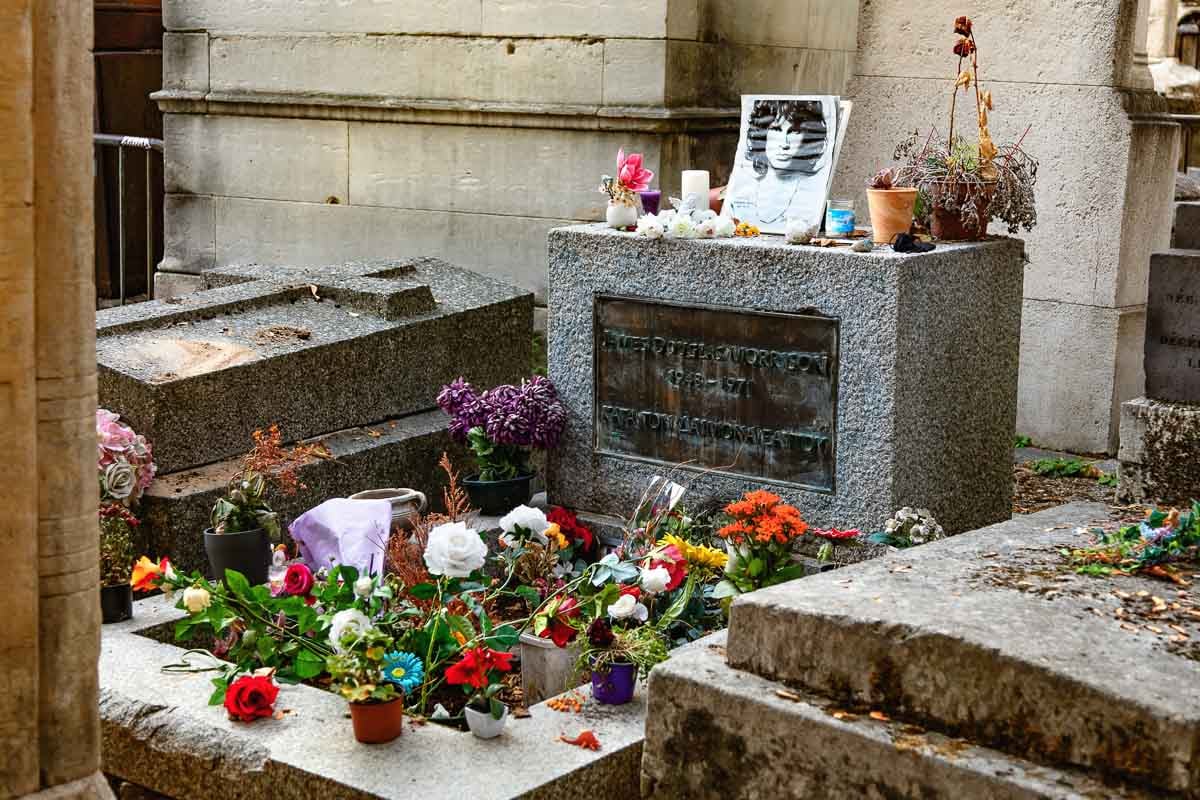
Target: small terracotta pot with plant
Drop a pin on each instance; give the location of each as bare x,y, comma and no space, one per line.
891,206
964,185
371,675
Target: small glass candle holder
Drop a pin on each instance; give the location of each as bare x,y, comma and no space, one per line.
839,218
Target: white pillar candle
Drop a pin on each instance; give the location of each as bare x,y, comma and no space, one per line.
695,182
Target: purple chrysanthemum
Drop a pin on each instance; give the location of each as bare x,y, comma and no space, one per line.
529,415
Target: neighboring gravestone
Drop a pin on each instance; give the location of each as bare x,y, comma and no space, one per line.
1160,433
353,353
1186,233
852,384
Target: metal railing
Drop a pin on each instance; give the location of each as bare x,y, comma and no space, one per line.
123,143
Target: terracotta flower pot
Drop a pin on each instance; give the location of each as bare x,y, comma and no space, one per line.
959,225
378,723
891,212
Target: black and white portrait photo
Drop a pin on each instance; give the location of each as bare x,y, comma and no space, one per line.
785,160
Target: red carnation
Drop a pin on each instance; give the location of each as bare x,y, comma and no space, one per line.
251,697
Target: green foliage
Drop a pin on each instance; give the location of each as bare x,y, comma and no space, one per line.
244,507
1072,468
496,462
1108,479
539,366
357,670
1022,441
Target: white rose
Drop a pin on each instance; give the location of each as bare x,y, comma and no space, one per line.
526,518
891,525
707,229
703,215
627,607
119,480
343,623
454,550
196,599
363,586
654,581
651,227
725,227
681,227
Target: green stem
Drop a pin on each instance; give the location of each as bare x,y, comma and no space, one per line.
432,639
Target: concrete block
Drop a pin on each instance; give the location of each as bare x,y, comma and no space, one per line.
990,636
322,16
575,18
542,71
906,341
169,285
1146,222
742,726
279,159
1017,44
185,62
189,223
635,72
710,74
1063,347
815,24
511,248
1185,234
172,369
683,19
510,171
1159,441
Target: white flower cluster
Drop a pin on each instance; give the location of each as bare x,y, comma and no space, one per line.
705,224
917,526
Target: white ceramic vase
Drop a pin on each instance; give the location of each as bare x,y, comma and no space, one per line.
483,724
620,215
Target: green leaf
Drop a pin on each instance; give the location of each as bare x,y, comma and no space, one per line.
787,574
529,595
423,591
309,665
497,708
678,604
265,646
756,567
725,589
238,584
504,637
218,696
461,626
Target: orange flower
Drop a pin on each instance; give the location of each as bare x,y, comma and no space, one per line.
146,574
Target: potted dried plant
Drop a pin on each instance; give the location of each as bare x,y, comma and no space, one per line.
116,563
243,528
891,206
964,185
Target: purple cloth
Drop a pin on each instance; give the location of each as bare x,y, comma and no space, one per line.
350,532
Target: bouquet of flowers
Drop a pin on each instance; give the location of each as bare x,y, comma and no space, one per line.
759,537
365,666
909,527
502,424
631,178
1147,547
124,460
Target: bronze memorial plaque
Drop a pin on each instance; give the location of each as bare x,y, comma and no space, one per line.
748,393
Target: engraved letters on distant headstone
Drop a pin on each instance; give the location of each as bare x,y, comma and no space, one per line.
1173,328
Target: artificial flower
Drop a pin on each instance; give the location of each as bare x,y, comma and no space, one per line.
558,628
655,580
454,550
251,697
835,533
525,519
196,599
119,480
681,227
298,580
627,607
630,172
674,563
962,26
344,623
363,586
404,670
472,669
146,574
651,226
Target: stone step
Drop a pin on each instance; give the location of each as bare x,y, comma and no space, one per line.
395,453
992,636
716,732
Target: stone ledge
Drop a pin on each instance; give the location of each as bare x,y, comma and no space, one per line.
991,636
757,743
159,732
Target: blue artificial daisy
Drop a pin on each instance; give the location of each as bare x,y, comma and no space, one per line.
404,670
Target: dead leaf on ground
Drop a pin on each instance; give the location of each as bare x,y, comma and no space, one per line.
880,716
521,712
786,695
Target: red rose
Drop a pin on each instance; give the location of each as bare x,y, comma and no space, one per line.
251,697
298,580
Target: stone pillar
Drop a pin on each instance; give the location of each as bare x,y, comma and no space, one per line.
311,132
1162,21
1104,188
49,723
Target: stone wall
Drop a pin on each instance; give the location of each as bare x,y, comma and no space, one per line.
304,131
1104,187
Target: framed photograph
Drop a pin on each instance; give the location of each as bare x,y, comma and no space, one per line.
785,160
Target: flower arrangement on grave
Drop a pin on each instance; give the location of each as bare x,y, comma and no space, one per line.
632,177
542,554
759,535
371,674
909,527
125,469
501,426
1148,548
962,185
478,672
832,537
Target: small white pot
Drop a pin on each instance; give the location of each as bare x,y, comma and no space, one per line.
620,215
483,724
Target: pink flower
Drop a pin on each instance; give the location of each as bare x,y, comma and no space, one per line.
630,172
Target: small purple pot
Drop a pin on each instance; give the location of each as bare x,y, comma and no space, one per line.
650,201
615,687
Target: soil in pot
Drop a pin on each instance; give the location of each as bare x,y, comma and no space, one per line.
614,687
959,225
116,603
378,723
891,212
248,552
496,498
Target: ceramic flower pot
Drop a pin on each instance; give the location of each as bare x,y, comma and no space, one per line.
116,603
954,225
891,212
248,552
620,215
377,723
496,498
615,686
407,504
546,669
483,724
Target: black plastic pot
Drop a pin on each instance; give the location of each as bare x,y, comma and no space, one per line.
495,498
249,552
116,603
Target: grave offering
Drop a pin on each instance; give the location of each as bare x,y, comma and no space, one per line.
1160,432
354,354
850,384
